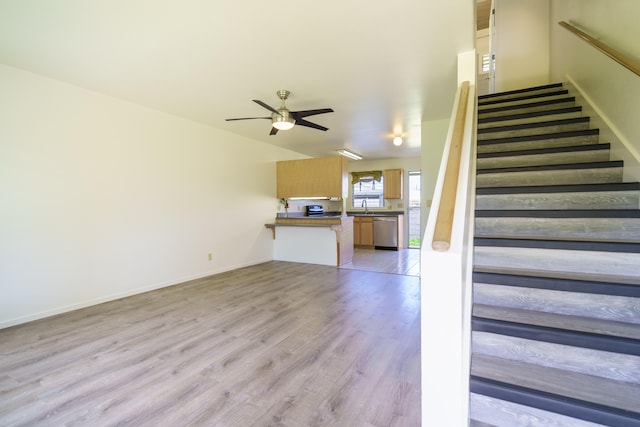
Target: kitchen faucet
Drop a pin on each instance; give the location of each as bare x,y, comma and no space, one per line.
364,205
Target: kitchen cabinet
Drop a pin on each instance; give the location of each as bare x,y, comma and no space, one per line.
363,231
392,183
319,177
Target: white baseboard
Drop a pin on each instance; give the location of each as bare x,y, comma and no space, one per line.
95,301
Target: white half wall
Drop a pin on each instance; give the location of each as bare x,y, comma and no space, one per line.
101,198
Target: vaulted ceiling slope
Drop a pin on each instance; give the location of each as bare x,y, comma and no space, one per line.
384,67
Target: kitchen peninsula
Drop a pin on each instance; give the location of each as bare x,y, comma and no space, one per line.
326,240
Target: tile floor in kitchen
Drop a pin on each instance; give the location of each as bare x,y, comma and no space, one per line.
404,261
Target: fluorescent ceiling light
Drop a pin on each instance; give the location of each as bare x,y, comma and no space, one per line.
349,154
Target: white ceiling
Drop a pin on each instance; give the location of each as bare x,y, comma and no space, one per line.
384,67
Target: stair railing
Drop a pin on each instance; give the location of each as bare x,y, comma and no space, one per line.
622,59
446,267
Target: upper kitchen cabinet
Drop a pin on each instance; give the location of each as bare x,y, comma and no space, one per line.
320,177
392,183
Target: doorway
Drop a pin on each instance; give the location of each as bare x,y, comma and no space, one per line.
413,210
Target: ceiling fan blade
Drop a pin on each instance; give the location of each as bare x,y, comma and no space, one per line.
307,113
273,131
247,118
303,122
268,107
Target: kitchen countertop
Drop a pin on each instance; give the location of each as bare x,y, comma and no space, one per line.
375,213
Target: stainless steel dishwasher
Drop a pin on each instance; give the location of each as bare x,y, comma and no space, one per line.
385,232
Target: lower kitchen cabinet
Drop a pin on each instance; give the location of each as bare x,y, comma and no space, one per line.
363,231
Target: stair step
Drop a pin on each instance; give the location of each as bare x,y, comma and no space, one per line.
600,266
534,117
578,386
508,405
544,156
531,107
559,284
575,245
531,142
516,101
598,363
535,128
578,173
602,225
520,92
624,311
582,196
548,319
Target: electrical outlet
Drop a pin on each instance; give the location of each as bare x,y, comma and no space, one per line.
210,256
429,203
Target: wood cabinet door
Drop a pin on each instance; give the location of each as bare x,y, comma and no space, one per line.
392,183
356,231
366,232
319,177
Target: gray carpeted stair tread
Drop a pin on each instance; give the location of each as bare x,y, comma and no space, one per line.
532,117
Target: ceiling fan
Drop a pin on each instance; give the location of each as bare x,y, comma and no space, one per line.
283,119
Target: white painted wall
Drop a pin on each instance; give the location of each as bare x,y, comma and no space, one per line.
612,90
521,43
434,137
101,198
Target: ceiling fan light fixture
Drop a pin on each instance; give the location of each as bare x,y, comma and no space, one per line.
282,120
349,154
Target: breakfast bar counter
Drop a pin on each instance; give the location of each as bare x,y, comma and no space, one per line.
326,240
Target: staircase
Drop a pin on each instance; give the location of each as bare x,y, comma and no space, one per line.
556,293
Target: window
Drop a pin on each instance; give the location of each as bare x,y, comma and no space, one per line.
367,186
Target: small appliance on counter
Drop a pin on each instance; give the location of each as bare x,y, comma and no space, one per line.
315,210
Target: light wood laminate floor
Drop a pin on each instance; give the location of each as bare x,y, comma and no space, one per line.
403,261
277,344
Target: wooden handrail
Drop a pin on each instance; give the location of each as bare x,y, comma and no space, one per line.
444,220
622,59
